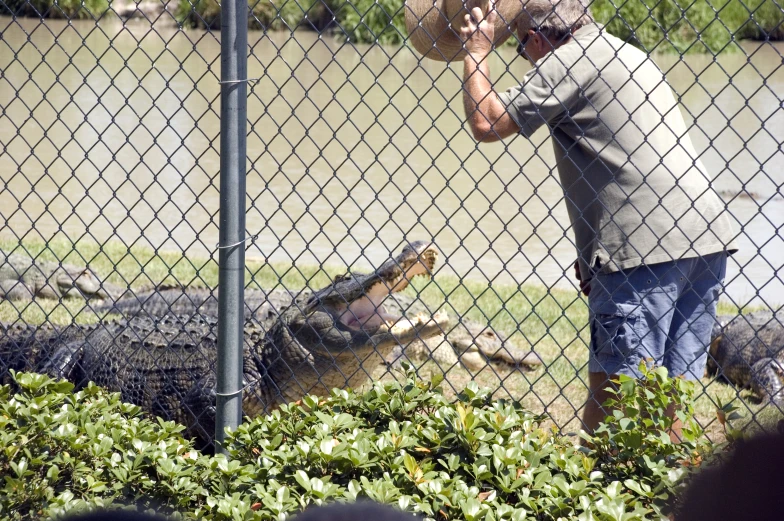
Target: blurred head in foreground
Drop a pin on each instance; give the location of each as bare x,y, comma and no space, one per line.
359,511
748,485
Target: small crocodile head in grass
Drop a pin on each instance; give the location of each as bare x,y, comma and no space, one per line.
23,277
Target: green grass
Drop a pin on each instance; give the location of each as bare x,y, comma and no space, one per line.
552,322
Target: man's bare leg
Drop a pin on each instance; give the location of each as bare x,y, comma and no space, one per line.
676,433
593,412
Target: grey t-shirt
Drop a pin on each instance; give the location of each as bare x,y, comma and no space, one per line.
635,190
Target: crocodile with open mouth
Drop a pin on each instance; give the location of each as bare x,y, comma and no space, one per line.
465,341
166,364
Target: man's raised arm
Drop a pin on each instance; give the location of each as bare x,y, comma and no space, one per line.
486,114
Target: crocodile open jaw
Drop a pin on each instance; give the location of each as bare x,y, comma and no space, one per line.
368,312
357,300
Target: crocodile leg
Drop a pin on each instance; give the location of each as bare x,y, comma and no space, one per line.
15,289
200,405
64,362
83,284
767,379
48,287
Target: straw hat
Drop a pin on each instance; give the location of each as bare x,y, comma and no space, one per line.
434,25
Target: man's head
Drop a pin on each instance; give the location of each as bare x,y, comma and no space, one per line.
543,25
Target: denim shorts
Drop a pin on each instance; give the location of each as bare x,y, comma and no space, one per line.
664,312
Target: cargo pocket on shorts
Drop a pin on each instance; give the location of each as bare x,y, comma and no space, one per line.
615,331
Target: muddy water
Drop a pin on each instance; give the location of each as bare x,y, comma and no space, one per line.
112,131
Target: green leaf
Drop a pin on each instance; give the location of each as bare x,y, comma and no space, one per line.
470,509
410,463
303,479
640,488
326,446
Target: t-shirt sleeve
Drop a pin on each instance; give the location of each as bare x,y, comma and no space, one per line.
546,92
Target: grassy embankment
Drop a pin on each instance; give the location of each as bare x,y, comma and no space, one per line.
655,25
552,322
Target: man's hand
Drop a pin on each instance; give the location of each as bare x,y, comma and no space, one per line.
478,31
585,287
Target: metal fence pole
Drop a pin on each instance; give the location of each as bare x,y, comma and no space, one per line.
234,74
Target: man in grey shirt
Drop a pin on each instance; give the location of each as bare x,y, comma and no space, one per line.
652,237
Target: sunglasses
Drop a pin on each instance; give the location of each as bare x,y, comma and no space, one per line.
521,45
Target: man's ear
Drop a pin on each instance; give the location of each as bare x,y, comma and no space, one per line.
538,40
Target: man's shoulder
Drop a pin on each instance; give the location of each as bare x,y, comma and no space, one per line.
585,45
594,40
594,49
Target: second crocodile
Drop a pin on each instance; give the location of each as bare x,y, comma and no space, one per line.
748,351
23,277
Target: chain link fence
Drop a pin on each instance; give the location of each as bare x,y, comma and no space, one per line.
109,125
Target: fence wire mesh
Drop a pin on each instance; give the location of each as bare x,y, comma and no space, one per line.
110,168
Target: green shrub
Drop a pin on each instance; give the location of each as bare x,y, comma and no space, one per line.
633,445
363,21
400,444
654,25
762,19
57,8
268,15
688,25
369,21
63,451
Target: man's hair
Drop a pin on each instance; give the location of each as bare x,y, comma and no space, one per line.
555,19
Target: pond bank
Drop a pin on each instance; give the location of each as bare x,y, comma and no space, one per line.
663,26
